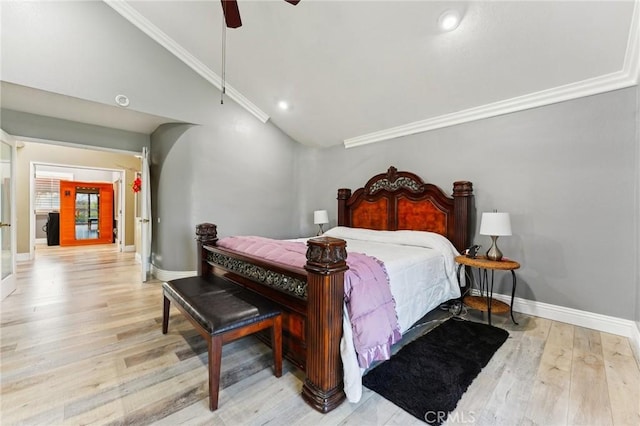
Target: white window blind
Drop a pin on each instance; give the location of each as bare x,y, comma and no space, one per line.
47,190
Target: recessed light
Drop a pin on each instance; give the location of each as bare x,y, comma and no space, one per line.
122,100
449,20
283,105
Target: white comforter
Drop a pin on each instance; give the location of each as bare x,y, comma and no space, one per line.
422,275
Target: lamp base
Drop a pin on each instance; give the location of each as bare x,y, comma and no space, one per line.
494,252
320,230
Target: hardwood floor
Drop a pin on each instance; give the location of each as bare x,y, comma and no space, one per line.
81,343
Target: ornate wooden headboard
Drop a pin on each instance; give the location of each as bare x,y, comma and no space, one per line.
396,200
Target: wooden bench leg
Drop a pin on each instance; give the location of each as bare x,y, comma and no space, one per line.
276,342
214,344
165,315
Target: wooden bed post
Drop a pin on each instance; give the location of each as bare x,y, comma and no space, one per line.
343,195
323,387
206,234
463,205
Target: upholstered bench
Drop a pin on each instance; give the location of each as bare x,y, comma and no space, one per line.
222,311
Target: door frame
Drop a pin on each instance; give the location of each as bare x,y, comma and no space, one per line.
121,194
9,285
145,218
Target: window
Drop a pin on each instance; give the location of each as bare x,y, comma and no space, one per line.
47,190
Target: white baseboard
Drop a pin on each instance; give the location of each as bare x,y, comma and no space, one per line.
129,249
635,341
23,257
41,241
608,324
605,323
163,275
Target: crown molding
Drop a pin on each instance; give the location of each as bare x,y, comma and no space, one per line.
160,37
632,55
626,77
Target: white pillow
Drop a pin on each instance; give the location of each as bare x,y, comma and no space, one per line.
403,237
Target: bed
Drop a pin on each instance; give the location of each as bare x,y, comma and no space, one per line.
311,295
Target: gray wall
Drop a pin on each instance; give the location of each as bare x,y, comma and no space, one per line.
243,181
196,174
54,129
86,50
567,173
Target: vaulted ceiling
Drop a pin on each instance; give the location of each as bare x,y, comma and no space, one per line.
356,72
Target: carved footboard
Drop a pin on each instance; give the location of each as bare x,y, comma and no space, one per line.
311,300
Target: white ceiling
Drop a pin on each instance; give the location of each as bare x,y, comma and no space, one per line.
357,72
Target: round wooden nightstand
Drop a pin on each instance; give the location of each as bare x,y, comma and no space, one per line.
485,301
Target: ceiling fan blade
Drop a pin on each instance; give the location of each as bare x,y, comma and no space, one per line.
231,13
293,2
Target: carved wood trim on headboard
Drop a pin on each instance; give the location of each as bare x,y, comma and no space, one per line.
402,200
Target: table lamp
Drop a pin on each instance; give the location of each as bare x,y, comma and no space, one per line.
320,217
495,224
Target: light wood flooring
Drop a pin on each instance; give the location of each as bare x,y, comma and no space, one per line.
81,343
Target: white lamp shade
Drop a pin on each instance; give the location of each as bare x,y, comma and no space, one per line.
320,217
495,224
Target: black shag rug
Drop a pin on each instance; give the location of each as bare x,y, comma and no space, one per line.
428,376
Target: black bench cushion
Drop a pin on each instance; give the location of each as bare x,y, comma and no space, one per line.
217,304
193,286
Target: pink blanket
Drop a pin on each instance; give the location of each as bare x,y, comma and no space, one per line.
367,295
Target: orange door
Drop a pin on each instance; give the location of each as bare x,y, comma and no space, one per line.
86,213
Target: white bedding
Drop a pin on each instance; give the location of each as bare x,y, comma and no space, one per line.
422,275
